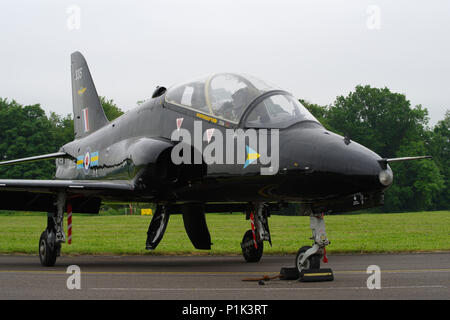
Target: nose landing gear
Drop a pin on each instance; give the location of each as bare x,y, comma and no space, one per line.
308,258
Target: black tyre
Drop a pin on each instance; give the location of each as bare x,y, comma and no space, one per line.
47,252
313,262
250,253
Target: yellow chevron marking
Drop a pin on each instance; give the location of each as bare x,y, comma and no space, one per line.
81,91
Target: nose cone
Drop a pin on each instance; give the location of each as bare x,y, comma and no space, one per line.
386,176
357,165
337,166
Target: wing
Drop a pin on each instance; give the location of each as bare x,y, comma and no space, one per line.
85,196
39,195
36,158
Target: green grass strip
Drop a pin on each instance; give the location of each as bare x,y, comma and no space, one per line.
364,233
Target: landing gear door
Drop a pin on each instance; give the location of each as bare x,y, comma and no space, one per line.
157,227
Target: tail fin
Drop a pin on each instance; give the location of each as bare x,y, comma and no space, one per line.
88,114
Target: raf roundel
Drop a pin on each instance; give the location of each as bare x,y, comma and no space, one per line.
87,161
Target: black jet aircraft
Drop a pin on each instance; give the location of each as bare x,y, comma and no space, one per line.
220,143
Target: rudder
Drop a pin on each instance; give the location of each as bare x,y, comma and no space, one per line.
88,114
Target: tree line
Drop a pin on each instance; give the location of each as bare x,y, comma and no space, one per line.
386,123
27,131
377,118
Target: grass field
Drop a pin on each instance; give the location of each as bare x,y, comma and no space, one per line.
364,233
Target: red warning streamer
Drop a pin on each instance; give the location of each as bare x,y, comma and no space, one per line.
252,220
325,259
69,223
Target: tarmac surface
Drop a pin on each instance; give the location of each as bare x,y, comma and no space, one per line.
403,276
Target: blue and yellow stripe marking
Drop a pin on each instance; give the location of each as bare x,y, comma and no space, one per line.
80,160
94,158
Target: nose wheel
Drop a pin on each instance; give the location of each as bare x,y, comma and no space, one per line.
312,262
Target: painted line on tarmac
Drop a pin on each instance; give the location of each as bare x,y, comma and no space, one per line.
394,271
212,272
265,289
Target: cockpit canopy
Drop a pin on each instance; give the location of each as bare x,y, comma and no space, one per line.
227,95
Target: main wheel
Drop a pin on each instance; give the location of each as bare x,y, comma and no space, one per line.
47,251
313,262
250,253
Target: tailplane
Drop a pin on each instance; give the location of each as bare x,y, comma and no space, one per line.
88,114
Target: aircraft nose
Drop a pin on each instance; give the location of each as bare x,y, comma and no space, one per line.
358,165
333,164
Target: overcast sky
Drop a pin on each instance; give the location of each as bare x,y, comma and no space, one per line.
315,49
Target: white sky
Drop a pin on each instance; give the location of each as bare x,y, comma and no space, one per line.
315,49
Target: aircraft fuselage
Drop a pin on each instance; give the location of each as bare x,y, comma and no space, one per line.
314,164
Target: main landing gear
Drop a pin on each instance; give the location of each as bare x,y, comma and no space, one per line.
252,243
52,237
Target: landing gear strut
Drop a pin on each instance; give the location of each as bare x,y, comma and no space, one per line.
52,237
252,243
309,257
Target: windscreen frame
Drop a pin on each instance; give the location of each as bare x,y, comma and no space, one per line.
253,104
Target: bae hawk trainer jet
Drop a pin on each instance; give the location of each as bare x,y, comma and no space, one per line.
221,143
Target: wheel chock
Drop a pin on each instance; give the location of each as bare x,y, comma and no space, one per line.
289,274
315,275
